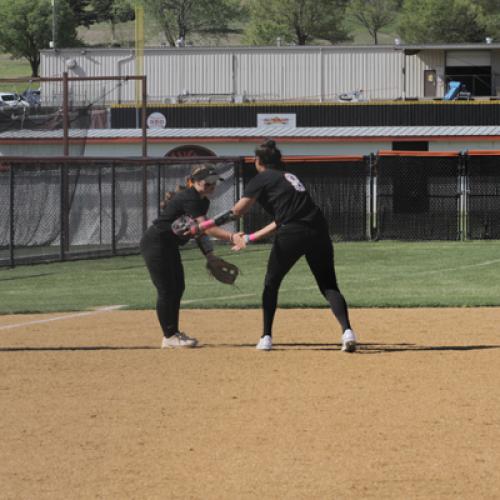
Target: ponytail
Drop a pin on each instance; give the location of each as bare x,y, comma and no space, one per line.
269,155
169,195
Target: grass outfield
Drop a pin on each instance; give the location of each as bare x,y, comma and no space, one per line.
13,68
381,274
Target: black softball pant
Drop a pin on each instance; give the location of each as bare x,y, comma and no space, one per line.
291,242
164,264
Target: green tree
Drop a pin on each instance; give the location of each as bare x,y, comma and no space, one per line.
112,11
442,21
490,6
179,18
296,21
491,9
82,12
26,28
373,15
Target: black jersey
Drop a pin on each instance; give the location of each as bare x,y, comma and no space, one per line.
187,202
283,196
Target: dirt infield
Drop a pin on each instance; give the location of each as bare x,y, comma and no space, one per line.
91,408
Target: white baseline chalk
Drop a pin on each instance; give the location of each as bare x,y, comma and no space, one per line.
59,318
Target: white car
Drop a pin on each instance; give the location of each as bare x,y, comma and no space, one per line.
10,100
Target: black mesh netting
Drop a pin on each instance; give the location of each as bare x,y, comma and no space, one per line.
90,211
98,206
338,188
56,208
417,198
484,197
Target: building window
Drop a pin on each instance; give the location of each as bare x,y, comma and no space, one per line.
410,146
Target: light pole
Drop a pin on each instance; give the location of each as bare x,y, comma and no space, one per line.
52,43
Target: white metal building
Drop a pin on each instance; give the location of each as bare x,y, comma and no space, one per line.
309,73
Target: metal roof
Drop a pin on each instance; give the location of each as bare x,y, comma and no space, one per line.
301,48
259,132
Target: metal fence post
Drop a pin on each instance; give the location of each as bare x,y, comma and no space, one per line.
144,197
11,216
462,197
158,194
113,209
99,186
372,197
62,208
466,192
368,210
65,111
64,172
144,153
238,186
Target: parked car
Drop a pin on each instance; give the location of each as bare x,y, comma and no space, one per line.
32,96
13,101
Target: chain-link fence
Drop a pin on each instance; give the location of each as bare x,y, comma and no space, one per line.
337,185
59,209
66,208
483,189
417,197
65,108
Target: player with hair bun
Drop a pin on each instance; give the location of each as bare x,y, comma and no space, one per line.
301,230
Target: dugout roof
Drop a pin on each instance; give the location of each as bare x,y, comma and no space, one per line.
304,134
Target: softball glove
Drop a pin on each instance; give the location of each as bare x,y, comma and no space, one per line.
221,270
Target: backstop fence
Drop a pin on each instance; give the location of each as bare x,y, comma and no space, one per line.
72,207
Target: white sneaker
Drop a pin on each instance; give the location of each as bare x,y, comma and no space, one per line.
179,339
349,341
265,343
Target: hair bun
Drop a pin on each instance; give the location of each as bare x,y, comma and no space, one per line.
270,144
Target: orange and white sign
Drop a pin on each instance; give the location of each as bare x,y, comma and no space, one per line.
288,120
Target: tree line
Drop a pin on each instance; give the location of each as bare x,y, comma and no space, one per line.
27,26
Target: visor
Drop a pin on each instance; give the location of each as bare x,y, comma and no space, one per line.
208,174
212,179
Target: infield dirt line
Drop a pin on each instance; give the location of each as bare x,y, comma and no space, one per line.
98,310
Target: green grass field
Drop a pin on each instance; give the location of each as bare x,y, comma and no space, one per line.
13,68
381,274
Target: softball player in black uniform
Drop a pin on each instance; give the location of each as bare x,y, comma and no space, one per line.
160,249
301,230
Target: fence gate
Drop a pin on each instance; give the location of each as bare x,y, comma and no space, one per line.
418,196
483,169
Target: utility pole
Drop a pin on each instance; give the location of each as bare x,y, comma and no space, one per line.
53,41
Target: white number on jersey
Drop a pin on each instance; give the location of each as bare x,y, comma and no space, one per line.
294,181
